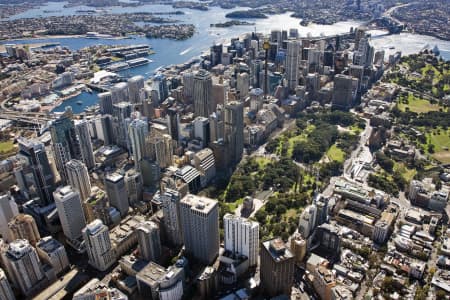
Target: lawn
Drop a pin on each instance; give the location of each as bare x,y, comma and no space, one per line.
262,161
336,153
418,105
407,174
6,146
441,141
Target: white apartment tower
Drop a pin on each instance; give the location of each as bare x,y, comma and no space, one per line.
138,131
23,266
78,178
70,211
8,210
98,245
242,237
292,60
149,241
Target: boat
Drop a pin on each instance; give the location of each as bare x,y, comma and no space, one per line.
392,48
79,102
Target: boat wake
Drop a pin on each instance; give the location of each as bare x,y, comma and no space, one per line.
186,51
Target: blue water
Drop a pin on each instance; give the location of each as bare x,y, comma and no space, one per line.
88,99
170,52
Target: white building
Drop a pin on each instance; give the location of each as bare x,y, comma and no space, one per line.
170,200
138,131
53,253
70,211
149,241
199,218
23,266
292,61
5,288
98,245
242,237
307,221
78,178
205,163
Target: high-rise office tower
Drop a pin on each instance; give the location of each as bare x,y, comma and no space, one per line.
199,218
106,103
121,119
216,54
171,211
53,253
37,164
242,237
5,288
135,85
160,149
119,93
8,210
78,178
117,193
342,92
70,211
292,60
243,85
23,266
66,145
149,241
188,85
104,128
202,94
24,227
216,125
134,185
202,130
173,122
138,131
234,130
277,268
98,245
159,88
256,99
87,152
307,221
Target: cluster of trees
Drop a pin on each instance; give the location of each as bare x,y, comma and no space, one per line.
319,141
384,184
281,175
384,161
271,216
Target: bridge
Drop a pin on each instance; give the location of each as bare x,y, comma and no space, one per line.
40,121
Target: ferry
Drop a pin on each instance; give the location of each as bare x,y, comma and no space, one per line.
96,35
79,102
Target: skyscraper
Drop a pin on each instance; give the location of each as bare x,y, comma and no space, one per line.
78,178
149,241
199,218
241,237
117,193
8,210
243,85
70,211
173,121
98,245
160,149
171,211
342,92
5,288
202,94
38,165
292,60
24,227
135,84
105,102
234,130
53,253
23,266
121,119
159,88
277,268
119,93
65,144
134,185
307,221
138,131
87,152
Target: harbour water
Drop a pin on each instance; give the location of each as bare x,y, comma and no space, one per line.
174,52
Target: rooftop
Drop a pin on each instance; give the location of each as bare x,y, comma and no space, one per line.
277,249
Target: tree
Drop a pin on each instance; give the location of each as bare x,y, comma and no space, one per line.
261,216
